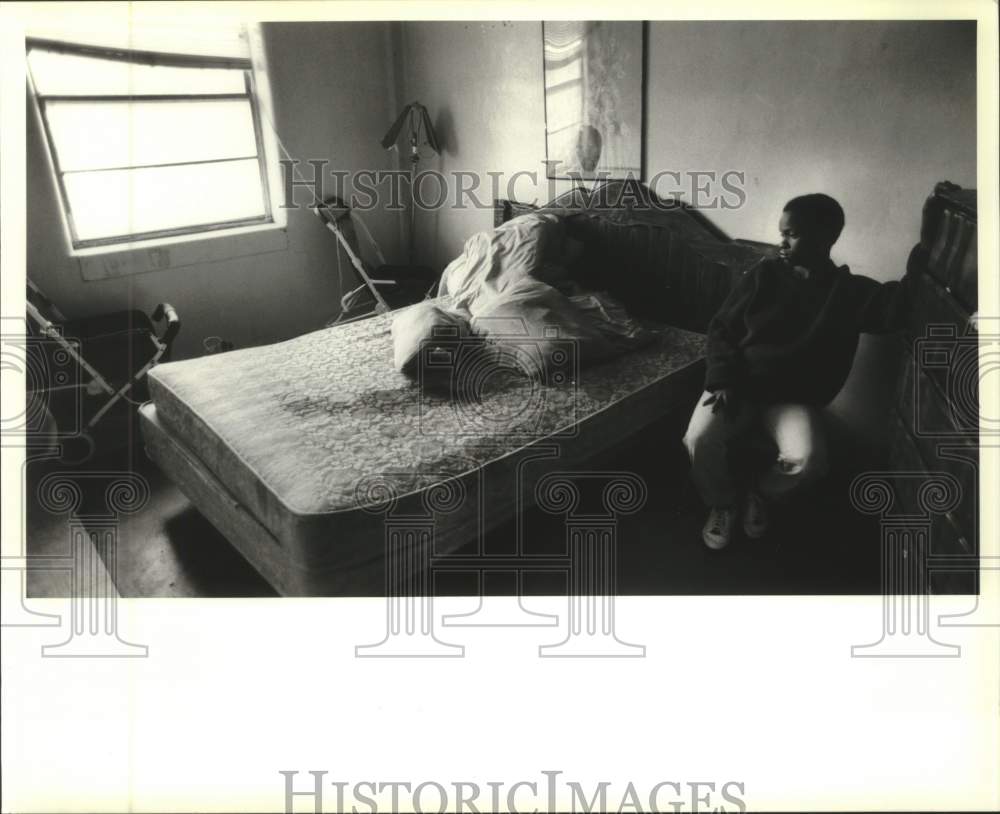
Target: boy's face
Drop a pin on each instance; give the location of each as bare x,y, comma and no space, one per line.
799,245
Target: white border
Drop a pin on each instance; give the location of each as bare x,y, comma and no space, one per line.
760,690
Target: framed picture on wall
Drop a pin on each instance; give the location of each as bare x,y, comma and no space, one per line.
593,98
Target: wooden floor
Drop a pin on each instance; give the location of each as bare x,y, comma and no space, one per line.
819,546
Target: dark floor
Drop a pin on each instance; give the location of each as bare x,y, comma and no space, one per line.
819,546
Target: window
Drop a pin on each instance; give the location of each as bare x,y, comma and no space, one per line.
149,144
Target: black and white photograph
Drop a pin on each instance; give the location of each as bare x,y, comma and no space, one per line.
530,344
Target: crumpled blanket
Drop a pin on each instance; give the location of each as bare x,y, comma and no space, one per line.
528,247
512,287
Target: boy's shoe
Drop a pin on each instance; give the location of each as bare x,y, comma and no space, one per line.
754,516
718,531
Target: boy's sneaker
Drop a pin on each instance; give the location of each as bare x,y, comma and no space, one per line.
718,531
754,516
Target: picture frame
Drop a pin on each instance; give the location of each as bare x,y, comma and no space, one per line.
593,73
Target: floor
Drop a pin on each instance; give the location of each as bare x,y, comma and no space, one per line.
820,546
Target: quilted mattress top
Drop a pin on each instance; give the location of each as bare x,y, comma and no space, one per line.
311,421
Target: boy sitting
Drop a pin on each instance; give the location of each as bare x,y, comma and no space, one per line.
779,349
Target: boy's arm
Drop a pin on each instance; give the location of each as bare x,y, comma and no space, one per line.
884,307
726,330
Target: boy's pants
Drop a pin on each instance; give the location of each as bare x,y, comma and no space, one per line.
721,443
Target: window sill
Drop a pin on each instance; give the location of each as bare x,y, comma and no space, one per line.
107,262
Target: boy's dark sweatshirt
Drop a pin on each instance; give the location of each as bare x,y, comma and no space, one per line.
784,335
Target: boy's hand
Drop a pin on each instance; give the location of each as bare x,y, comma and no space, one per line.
722,399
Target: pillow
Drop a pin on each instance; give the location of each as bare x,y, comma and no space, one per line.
414,326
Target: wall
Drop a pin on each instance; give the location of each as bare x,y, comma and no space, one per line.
332,89
482,83
872,113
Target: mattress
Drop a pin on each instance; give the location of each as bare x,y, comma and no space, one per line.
322,441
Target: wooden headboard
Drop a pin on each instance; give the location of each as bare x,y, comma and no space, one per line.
504,210
663,259
620,199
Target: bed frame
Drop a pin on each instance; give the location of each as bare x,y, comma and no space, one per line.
690,263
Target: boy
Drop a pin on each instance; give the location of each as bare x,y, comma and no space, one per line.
779,349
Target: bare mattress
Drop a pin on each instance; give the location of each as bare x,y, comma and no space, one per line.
319,441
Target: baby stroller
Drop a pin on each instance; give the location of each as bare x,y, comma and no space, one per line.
85,375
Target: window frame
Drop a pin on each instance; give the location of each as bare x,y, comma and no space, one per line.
153,58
